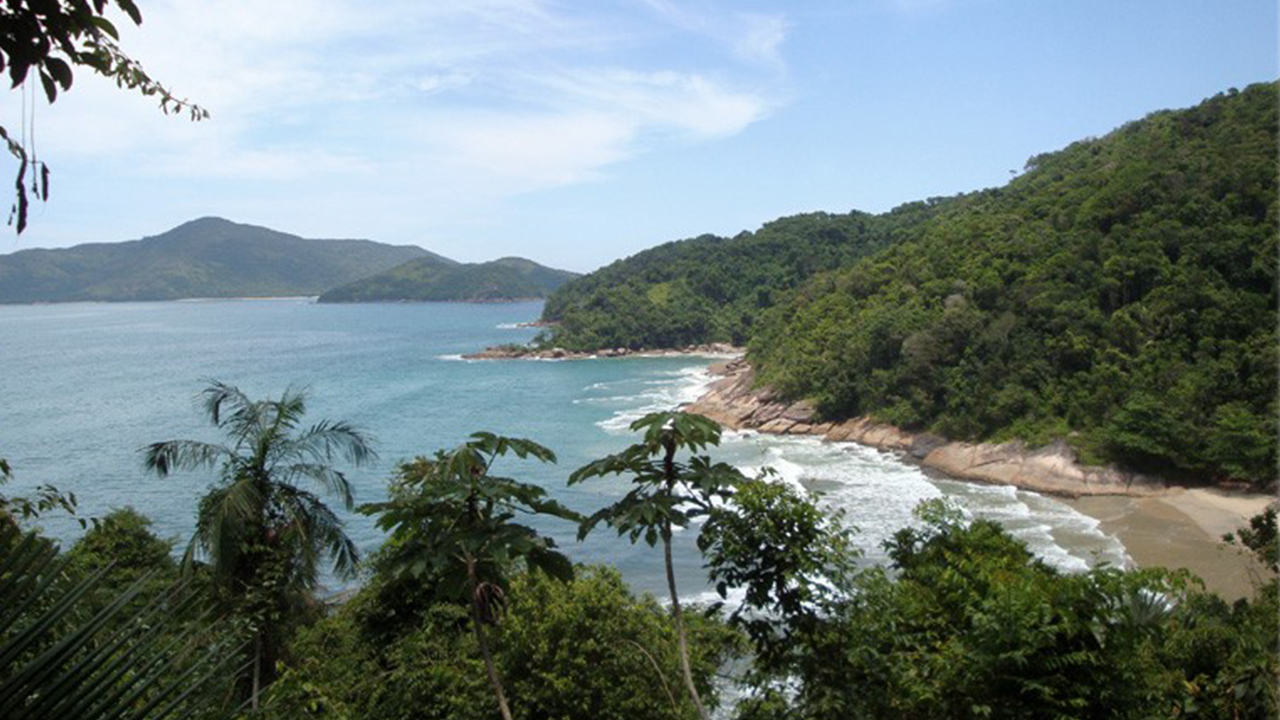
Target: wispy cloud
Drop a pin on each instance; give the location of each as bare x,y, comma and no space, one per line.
514,92
751,36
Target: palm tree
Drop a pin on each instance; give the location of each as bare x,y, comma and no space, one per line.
450,519
262,534
666,494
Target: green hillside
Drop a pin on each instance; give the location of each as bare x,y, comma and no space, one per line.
209,257
1121,293
713,289
435,279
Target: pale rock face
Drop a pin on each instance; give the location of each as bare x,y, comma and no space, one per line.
735,402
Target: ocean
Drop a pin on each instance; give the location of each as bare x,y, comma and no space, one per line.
85,386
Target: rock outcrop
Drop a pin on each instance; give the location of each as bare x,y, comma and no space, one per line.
526,352
735,402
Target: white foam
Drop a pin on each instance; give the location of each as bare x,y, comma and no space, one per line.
877,490
678,387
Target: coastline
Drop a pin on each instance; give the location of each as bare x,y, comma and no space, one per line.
1160,524
524,352
1183,529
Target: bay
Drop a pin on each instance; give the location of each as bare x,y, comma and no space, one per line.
84,387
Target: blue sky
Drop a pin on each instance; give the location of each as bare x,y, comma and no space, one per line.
575,133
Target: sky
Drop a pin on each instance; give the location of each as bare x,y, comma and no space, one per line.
577,133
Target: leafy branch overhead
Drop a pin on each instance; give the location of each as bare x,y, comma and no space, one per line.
51,37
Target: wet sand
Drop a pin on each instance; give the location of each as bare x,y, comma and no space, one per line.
1184,529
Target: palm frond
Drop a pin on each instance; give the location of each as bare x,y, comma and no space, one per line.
226,514
333,482
319,530
165,457
328,439
56,661
220,394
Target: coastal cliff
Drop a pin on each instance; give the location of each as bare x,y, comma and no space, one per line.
735,402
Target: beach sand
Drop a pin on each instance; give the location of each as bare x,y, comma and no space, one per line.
1184,529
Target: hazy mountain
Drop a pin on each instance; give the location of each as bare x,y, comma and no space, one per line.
208,257
437,279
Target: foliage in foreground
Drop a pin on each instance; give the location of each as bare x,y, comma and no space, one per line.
965,623
51,38
452,521
85,637
969,624
263,533
585,648
667,492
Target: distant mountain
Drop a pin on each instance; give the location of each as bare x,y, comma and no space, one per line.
436,279
208,257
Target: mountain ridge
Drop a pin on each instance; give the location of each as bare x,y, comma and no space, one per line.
208,257
425,280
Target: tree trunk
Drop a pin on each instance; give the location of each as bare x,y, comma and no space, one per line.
478,624
669,472
257,671
679,618
494,680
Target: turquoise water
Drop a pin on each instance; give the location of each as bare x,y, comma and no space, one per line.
85,386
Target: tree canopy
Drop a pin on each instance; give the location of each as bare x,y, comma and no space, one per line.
1119,294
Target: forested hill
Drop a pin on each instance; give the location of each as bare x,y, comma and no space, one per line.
436,279
1121,293
209,257
713,289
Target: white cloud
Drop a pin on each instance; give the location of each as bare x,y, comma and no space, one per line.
690,103
437,106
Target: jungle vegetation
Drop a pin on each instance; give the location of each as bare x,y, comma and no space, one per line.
1119,294
463,603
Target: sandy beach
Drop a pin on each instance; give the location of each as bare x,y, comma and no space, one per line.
1183,528
1160,525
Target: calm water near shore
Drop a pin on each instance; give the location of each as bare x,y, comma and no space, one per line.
85,386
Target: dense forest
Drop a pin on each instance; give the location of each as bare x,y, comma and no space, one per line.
712,289
1120,293
467,612
435,279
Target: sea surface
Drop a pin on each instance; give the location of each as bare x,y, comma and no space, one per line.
83,387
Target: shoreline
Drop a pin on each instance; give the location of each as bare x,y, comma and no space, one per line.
1183,530
524,352
1160,524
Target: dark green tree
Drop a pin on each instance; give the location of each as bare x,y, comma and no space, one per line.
667,492
451,520
262,533
587,648
792,560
